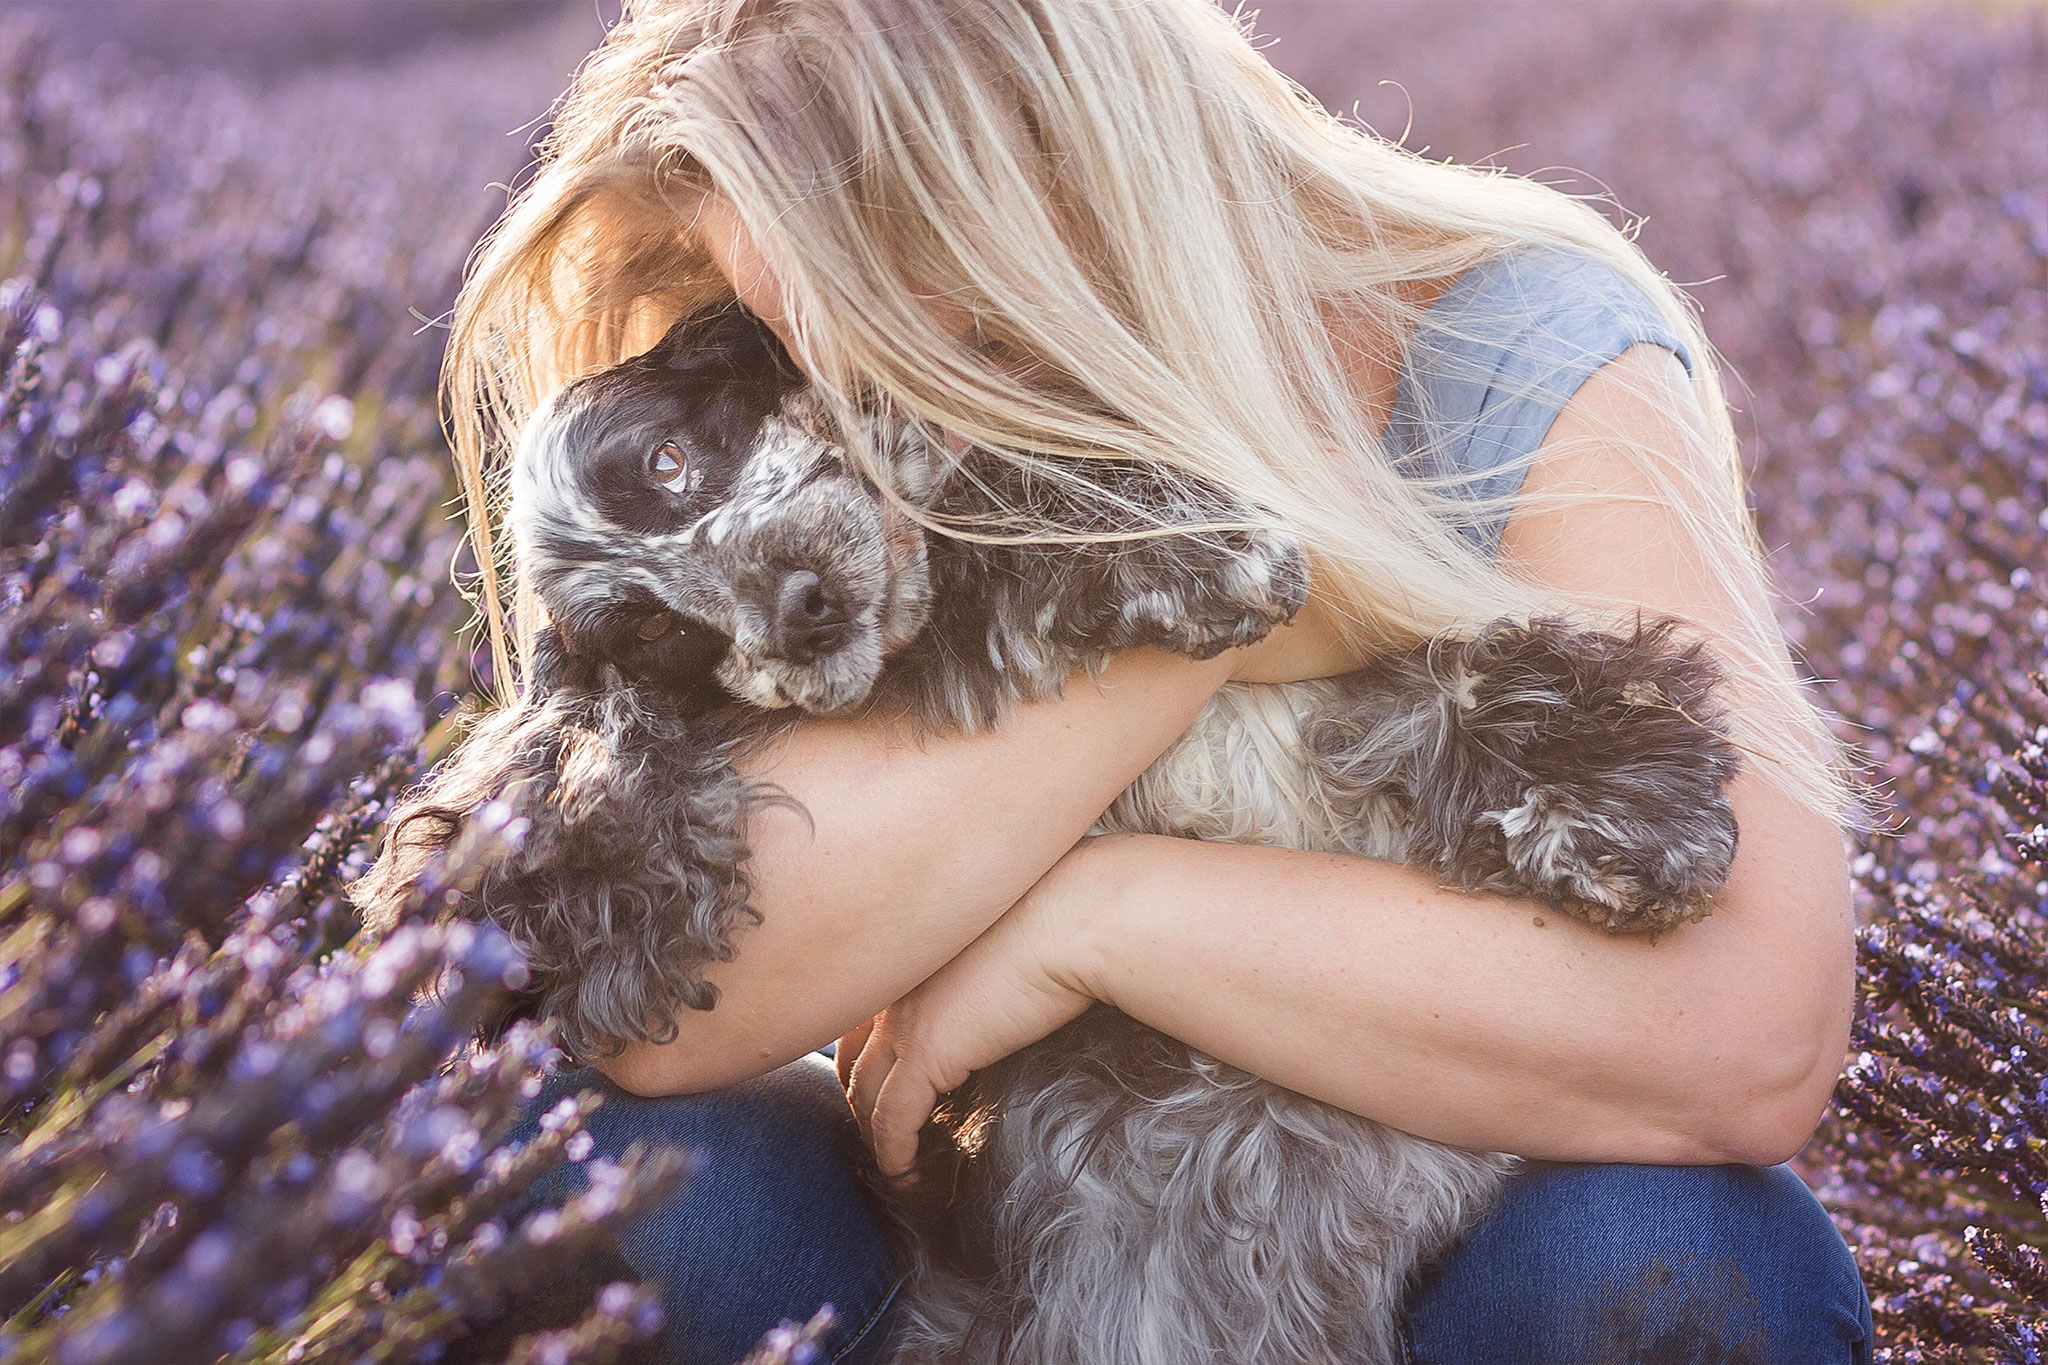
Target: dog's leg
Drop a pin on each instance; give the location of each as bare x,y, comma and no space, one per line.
1227,579
1581,768
1203,591
1200,594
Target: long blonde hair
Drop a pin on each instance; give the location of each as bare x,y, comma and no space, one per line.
1068,228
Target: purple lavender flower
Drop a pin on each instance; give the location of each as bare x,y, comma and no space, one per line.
227,638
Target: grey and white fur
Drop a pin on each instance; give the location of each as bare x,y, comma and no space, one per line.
1107,1196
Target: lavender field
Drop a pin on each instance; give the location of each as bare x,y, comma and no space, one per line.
228,631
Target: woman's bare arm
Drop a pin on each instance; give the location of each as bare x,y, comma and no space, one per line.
1358,981
1488,1024
1454,1016
905,853
1365,984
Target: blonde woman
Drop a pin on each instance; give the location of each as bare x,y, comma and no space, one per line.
1085,227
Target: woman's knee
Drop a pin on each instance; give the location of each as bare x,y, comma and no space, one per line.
769,1222
1646,1264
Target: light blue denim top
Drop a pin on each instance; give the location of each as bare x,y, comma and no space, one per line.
1499,354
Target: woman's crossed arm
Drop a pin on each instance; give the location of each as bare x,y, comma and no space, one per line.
903,852
1456,1017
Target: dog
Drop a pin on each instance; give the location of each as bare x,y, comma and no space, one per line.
712,564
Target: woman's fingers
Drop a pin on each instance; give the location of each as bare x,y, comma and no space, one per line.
902,1104
848,1052
870,1069
891,1094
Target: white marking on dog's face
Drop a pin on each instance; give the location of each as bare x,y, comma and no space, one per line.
752,685
541,490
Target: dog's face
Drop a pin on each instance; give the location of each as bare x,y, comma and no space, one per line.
690,512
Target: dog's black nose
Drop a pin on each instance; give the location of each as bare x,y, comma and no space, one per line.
808,617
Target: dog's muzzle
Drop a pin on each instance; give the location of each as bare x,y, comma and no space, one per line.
823,587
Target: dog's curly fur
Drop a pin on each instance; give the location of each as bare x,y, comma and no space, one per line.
624,879
1108,1194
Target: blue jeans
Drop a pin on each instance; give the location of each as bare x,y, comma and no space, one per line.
1579,1265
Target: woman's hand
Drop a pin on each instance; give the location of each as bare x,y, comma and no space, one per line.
1009,988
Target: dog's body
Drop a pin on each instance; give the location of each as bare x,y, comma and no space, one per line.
1124,1198
1108,1195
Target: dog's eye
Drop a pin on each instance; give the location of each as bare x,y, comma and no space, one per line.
654,627
671,468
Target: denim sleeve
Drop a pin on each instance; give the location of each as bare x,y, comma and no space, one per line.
1497,357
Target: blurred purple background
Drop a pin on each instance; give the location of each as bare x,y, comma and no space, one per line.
269,38
227,637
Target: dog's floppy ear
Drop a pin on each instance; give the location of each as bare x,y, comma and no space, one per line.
494,761
626,880
723,342
426,827
604,833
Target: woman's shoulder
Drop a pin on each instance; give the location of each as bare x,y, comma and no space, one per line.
1497,357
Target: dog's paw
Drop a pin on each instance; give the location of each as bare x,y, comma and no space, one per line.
1628,868
1201,595
1585,768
